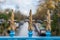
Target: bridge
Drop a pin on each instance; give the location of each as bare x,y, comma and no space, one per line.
29,38
27,31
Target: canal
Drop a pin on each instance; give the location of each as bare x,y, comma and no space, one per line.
23,30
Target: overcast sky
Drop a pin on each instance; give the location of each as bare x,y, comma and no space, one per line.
24,5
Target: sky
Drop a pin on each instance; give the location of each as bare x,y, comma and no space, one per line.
23,5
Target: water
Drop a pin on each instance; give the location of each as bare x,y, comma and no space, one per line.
23,30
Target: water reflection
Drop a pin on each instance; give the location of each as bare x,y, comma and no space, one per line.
23,30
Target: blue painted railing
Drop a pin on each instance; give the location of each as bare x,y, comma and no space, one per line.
29,38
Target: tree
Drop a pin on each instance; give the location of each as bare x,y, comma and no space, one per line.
19,16
54,24
4,25
51,5
4,16
41,12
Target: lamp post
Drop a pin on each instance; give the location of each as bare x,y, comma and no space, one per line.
50,6
48,26
30,24
12,31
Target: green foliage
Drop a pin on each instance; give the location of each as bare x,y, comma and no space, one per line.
5,25
9,15
55,22
4,16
